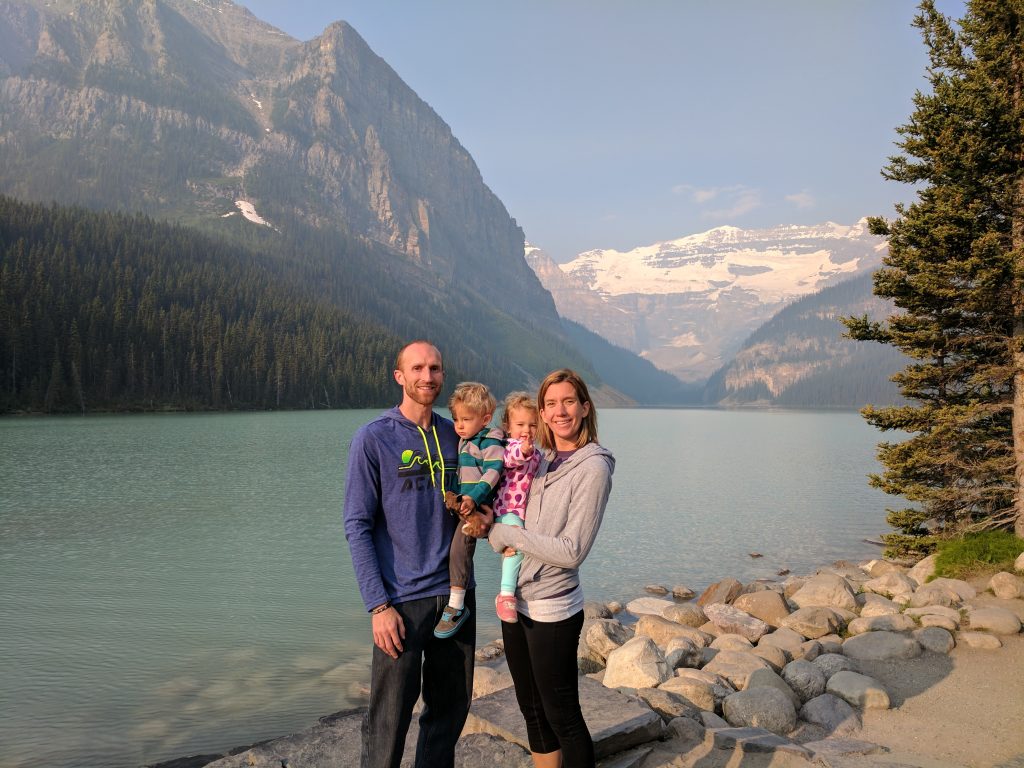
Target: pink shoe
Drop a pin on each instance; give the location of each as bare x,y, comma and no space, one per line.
506,608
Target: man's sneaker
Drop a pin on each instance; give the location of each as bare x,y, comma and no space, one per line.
506,608
451,620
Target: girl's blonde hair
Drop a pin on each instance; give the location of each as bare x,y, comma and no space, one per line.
517,400
474,396
588,429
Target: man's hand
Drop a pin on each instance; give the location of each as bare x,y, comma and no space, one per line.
388,632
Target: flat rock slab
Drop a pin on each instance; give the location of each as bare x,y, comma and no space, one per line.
754,740
617,722
648,606
978,640
632,758
833,748
881,646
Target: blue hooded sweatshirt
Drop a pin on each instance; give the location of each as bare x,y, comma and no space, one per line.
396,524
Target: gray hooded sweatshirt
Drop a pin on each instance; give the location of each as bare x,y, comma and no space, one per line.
563,515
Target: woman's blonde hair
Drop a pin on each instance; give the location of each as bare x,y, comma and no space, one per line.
588,429
517,400
473,396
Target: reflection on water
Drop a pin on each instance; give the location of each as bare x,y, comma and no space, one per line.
176,584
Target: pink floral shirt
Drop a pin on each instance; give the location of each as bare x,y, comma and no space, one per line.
515,482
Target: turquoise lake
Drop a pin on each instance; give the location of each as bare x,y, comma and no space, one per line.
177,584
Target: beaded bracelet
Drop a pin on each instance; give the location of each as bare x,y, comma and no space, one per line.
381,608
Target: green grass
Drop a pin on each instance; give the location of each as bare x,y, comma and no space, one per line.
977,553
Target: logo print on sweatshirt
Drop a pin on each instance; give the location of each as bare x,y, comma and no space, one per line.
414,470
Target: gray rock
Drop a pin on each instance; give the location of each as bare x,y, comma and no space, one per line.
595,610
475,750
831,713
826,590
687,614
696,693
731,643
666,703
682,592
644,606
599,637
829,751
830,663
776,657
978,640
487,680
755,741
631,758
792,585
735,666
789,640
615,607
889,623
706,676
711,720
810,650
876,568
712,629
999,621
934,620
934,594
763,707
687,731
765,678
638,663
934,610
923,570
681,652
934,639
881,646
661,630
724,591
895,585
617,722
656,589
876,605
734,621
813,621
963,590
831,644
806,679
1018,564
768,605
1006,586
859,690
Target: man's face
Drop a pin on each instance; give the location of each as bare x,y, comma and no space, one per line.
420,374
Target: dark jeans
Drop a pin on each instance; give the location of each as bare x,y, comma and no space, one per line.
446,667
542,659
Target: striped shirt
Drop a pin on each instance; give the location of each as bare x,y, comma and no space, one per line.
481,458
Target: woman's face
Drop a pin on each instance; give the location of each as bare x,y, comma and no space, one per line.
563,413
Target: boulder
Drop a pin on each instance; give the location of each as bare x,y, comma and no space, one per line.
599,637
934,620
666,703
805,678
831,644
876,568
638,663
705,676
831,751
644,606
487,680
615,606
617,722
881,646
682,592
934,594
934,639
789,640
696,693
711,720
724,591
776,657
710,628
768,605
982,641
876,605
685,731
889,623
595,610
934,610
963,590
681,652
809,650
731,643
761,678
731,620
662,630
746,743
858,690
923,570
656,589
998,621
1018,564
831,713
896,586
792,585
687,614
830,663
764,707
813,621
1006,586
735,666
826,590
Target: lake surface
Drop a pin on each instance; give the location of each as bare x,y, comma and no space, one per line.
179,584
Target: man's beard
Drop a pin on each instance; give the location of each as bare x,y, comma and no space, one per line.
423,397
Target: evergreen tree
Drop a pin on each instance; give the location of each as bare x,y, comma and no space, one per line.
956,270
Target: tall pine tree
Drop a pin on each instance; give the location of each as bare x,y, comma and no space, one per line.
956,270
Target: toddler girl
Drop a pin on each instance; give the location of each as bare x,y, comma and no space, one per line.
519,422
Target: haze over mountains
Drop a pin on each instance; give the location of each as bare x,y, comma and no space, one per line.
195,111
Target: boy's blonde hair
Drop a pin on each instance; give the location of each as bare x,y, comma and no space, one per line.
522,400
473,396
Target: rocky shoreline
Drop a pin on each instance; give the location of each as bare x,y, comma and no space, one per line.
768,673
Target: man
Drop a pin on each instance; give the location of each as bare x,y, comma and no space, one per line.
399,532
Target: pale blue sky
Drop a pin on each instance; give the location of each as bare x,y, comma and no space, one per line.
614,124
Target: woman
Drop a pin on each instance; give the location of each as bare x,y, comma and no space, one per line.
564,512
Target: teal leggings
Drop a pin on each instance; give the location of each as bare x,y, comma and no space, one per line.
510,565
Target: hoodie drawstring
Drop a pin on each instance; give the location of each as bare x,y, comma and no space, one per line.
430,459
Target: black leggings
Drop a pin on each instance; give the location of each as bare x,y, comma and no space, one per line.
542,659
